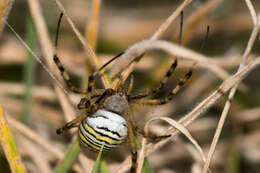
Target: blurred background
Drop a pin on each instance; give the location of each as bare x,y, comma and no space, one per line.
28,98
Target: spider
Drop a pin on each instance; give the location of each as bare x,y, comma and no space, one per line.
106,120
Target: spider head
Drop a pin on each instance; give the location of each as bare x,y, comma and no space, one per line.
117,103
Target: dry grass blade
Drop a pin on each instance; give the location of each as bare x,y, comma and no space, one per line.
252,11
231,95
54,151
9,146
169,20
175,125
48,54
34,153
92,27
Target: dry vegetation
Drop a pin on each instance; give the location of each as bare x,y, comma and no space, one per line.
216,114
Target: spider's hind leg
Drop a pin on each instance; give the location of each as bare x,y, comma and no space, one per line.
170,96
66,76
162,83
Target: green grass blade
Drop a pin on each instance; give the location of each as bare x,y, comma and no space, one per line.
97,163
9,146
29,69
146,167
103,167
70,156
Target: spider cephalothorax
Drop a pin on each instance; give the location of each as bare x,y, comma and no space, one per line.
117,103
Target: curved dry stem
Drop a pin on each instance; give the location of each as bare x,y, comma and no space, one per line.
200,108
175,125
138,49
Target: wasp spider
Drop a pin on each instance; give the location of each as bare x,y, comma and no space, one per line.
106,120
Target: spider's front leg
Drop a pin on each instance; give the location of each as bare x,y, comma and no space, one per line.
71,124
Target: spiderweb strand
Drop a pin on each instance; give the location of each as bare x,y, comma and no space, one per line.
36,57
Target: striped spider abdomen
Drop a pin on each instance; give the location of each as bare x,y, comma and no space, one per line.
103,128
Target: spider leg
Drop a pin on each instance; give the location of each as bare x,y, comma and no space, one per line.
86,101
66,77
71,124
170,96
91,78
131,84
162,83
99,102
119,80
151,137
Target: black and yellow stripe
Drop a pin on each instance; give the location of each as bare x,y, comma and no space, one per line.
94,137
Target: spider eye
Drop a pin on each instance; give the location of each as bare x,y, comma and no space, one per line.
121,93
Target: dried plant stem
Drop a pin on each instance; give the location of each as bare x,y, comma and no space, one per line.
195,18
30,134
92,27
230,96
252,11
33,151
54,151
138,49
91,35
9,146
177,126
157,34
46,45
